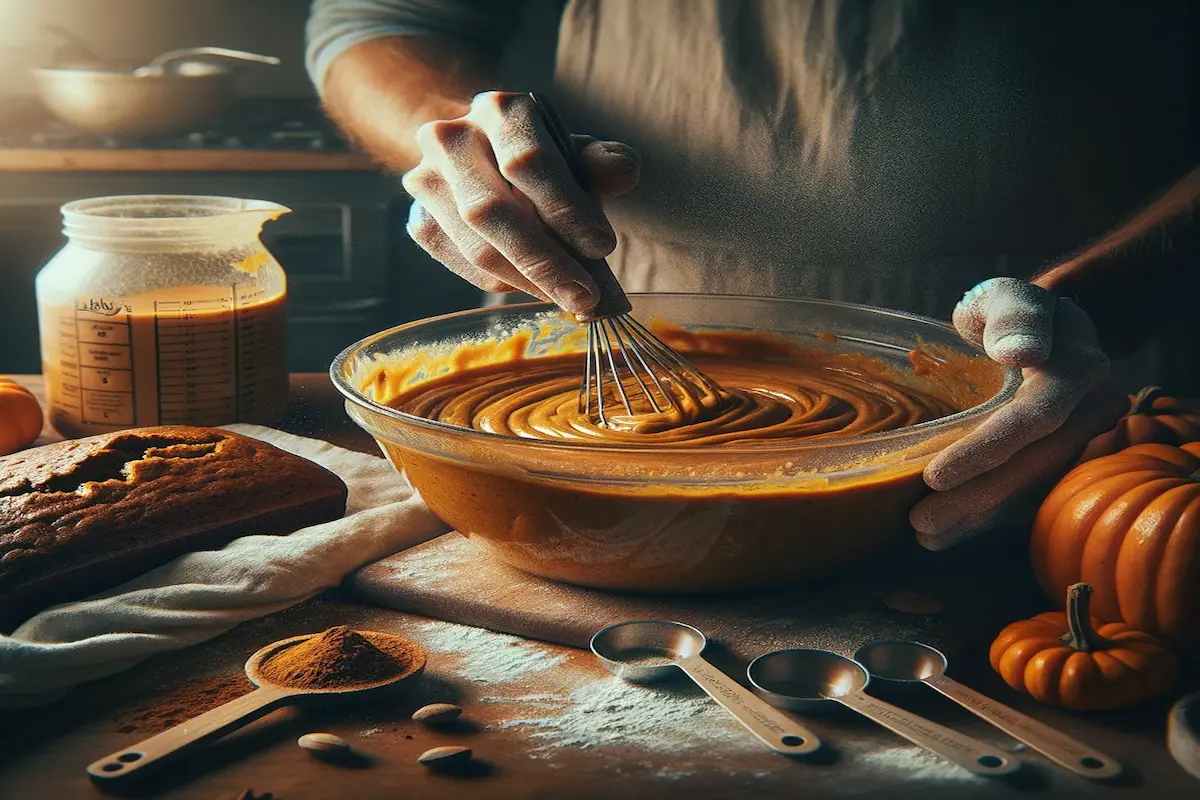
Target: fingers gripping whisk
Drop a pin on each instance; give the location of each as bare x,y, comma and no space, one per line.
626,363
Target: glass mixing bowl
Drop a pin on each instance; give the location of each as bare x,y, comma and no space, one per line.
674,518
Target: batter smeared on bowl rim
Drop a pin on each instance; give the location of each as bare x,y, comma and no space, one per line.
776,391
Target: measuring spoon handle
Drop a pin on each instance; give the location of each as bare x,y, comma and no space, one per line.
777,731
186,735
1054,745
968,753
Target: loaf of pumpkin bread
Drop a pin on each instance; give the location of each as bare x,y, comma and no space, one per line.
82,516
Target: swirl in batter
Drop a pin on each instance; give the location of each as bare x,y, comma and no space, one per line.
765,400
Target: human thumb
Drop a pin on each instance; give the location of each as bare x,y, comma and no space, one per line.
1013,321
609,168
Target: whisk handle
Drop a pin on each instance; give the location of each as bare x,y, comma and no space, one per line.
613,301
560,134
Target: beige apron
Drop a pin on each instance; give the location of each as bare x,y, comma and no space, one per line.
872,152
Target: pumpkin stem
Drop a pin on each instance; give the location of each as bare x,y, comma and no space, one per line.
1143,401
1081,635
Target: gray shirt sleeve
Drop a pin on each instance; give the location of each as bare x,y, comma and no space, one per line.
335,26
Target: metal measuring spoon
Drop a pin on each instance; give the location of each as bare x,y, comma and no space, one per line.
913,662
233,715
806,680
647,651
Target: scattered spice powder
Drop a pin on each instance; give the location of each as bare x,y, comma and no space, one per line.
188,700
341,658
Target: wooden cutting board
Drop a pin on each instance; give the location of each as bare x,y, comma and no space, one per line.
982,584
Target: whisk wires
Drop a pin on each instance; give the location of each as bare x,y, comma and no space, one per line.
621,351
646,374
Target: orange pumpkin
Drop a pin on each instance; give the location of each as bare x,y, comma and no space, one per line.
1152,418
1072,660
1129,525
20,417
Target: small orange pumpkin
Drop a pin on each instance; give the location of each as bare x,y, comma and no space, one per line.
1153,418
1129,525
1073,661
20,417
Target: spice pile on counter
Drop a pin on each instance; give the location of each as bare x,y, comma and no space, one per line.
341,658
337,662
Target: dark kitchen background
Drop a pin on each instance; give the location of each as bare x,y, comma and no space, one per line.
351,268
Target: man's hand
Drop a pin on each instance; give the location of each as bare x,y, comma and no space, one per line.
1067,397
491,187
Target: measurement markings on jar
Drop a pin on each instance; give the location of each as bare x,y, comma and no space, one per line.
69,401
257,330
185,362
195,383
101,349
197,380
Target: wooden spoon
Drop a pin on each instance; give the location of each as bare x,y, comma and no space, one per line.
235,714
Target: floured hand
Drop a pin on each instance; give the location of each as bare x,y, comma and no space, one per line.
1066,398
491,187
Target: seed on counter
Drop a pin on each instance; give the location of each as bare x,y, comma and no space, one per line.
324,743
436,713
440,757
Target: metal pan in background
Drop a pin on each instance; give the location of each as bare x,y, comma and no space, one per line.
174,92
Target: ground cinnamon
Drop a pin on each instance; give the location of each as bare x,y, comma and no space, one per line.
188,700
341,658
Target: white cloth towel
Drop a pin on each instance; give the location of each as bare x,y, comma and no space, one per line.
202,595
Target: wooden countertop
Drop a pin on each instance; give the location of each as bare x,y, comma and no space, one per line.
71,160
45,751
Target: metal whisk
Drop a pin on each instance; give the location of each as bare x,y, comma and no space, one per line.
625,361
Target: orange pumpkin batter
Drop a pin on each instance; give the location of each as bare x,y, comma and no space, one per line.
765,401
677,537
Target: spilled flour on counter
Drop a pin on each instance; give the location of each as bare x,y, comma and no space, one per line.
914,763
430,566
673,774
540,697
486,656
611,713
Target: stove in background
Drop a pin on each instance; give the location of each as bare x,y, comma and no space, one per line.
252,124
351,268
